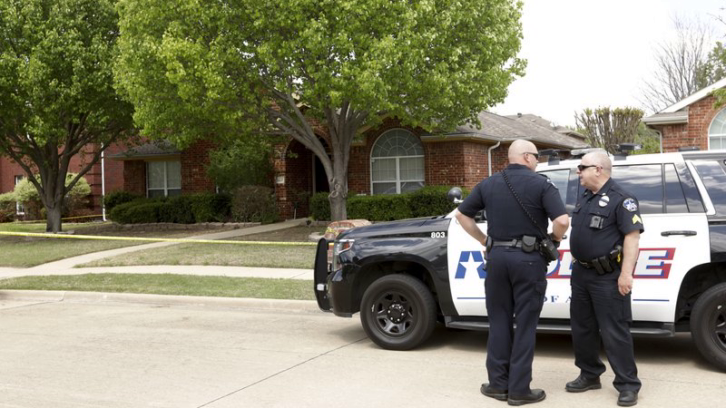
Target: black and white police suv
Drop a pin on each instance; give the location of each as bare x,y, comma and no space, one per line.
404,276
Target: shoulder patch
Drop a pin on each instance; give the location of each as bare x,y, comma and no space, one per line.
630,205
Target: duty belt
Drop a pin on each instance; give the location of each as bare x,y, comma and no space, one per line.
513,243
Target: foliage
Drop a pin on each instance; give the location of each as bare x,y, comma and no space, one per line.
136,212
177,209
606,128
209,207
254,204
245,162
648,139
245,66
426,202
110,201
320,207
26,193
56,90
7,207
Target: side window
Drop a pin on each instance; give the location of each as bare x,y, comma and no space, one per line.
714,179
560,178
675,199
646,182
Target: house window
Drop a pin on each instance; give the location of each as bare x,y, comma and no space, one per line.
397,163
717,132
19,208
163,178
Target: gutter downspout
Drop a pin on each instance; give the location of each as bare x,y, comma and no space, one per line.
660,141
103,184
489,156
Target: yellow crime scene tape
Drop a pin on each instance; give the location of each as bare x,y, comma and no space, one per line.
179,240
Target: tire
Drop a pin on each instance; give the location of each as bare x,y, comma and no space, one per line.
398,312
708,325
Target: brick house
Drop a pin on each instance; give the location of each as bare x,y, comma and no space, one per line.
692,122
387,159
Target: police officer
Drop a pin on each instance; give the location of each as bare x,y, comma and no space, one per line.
515,284
606,227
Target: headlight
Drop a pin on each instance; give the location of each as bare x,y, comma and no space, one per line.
339,247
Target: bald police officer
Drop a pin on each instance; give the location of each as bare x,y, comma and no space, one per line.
515,284
606,227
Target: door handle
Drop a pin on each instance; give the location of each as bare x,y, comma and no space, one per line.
685,232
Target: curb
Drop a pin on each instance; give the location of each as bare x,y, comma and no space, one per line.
300,306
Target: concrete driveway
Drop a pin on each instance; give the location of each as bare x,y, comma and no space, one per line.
90,353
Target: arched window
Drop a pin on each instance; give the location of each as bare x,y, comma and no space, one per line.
717,132
397,163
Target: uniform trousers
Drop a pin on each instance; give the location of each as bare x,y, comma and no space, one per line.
598,310
515,288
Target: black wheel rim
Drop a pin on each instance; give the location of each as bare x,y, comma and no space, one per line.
718,322
393,314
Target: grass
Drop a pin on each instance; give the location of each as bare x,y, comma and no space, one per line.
167,284
267,256
24,252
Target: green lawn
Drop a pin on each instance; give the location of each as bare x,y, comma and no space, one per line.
270,256
168,284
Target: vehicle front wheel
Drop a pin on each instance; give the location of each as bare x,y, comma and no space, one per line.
398,312
708,325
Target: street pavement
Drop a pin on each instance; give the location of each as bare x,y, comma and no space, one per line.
88,350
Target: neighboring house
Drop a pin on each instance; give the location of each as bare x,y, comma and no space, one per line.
692,122
388,159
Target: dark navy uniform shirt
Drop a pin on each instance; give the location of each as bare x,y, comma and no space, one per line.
505,218
601,221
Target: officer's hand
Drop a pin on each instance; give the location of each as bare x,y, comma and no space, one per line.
625,284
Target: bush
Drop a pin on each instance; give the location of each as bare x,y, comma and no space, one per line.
75,200
320,206
210,207
7,207
382,207
110,201
431,201
137,212
177,209
254,204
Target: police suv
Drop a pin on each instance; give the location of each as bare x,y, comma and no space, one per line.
404,276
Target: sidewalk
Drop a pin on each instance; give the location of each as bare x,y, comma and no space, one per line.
67,266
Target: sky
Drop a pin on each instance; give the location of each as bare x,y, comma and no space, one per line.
594,53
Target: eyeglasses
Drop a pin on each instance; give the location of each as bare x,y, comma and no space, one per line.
536,155
582,167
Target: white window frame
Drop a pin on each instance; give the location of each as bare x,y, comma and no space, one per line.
398,180
166,188
19,208
721,136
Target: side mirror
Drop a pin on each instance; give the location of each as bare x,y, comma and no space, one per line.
454,195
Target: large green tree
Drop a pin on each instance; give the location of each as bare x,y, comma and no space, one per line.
196,68
56,91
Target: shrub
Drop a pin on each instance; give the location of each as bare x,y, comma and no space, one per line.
177,209
26,193
7,207
254,204
320,206
431,201
136,212
210,207
118,197
383,207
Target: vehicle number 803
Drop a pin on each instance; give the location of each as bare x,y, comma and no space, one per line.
438,234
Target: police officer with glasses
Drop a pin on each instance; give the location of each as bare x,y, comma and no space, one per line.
516,269
606,228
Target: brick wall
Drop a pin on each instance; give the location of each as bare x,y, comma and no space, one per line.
194,161
695,132
135,177
293,162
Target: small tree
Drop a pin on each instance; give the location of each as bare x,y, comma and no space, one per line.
26,193
606,128
241,163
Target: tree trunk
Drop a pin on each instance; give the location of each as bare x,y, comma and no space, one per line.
53,218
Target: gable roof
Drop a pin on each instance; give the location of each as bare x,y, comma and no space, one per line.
695,97
154,150
507,129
